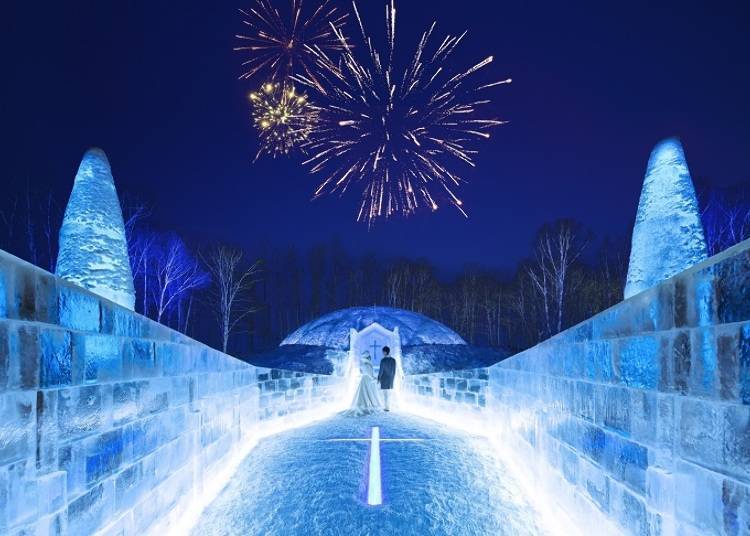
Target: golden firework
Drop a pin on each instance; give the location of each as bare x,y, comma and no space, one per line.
283,117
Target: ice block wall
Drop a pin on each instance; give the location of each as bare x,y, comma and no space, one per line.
111,421
458,390
640,415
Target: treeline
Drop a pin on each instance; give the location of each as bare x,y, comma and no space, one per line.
247,302
556,287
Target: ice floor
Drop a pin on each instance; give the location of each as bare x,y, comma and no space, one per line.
437,482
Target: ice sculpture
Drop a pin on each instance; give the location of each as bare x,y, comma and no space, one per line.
93,246
332,330
423,344
668,235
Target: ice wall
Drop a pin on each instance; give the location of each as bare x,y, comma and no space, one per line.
668,234
639,416
93,247
465,389
111,423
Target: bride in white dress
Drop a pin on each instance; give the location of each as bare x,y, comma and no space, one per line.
367,398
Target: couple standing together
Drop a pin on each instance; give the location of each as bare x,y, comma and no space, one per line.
367,399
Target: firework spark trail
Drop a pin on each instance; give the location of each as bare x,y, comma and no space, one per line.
283,118
397,135
279,45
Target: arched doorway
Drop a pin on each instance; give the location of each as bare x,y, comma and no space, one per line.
372,339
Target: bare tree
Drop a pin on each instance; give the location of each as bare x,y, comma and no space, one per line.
52,223
490,303
8,219
29,228
540,276
317,269
558,247
232,289
726,219
133,215
140,244
176,274
141,261
31,222
612,266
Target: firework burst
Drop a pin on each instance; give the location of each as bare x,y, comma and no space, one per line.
279,45
397,134
283,118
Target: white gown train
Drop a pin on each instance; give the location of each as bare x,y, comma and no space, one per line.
367,399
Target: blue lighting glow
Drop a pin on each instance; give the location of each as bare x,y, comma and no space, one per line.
374,487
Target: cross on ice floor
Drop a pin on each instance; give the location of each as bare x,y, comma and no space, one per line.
374,479
382,474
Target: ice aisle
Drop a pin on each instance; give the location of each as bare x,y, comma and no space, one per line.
315,480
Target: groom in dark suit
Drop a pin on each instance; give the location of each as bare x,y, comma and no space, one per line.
386,375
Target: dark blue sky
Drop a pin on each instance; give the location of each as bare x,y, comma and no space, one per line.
596,85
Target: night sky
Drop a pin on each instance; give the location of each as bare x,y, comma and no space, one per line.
596,85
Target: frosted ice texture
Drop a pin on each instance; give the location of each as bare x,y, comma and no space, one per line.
445,482
668,235
93,246
332,330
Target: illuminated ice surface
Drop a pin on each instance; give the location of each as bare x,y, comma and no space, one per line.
93,246
668,234
315,480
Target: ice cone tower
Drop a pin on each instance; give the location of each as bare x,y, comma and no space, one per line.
93,246
668,234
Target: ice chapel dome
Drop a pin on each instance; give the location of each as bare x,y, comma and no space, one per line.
332,330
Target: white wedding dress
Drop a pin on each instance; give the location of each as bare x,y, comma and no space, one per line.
367,398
